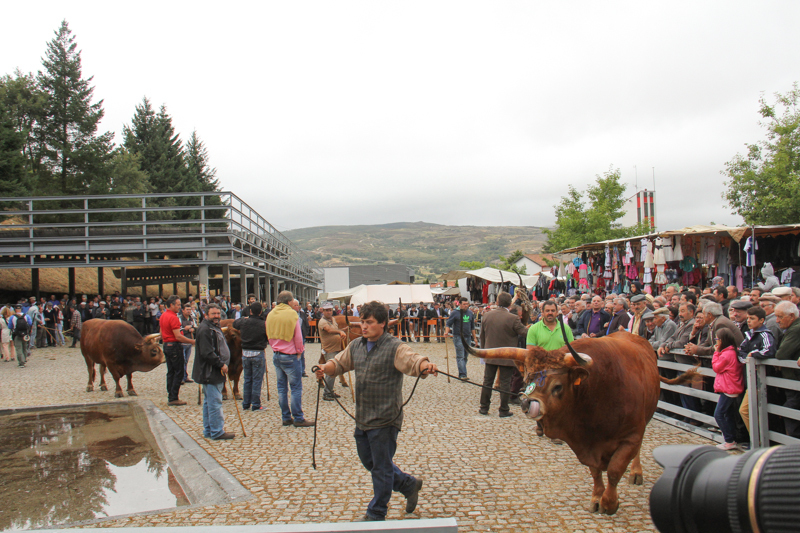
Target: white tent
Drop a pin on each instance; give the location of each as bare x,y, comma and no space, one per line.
389,294
493,275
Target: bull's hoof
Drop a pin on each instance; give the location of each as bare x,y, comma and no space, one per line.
118,394
103,387
594,507
90,389
239,397
224,396
132,393
636,479
609,512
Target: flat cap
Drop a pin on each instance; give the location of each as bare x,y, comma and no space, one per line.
648,315
638,298
782,291
769,298
661,311
741,304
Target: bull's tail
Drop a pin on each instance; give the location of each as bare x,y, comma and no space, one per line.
683,378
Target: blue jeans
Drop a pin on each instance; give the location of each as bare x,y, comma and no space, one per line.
288,372
376,449
725,415
187,353
461,354
213,421
254,368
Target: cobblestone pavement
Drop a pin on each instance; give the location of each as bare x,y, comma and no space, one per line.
491,474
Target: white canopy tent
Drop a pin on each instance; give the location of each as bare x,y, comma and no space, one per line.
493,275
389,294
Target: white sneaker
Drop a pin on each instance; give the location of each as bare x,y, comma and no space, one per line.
727,446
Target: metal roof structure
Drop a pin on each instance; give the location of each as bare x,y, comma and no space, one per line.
148,235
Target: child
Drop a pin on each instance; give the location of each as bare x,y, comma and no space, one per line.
758,342
729,383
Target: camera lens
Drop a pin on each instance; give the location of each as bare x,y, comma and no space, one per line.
706,489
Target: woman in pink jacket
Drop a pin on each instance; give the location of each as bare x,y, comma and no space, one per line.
729,383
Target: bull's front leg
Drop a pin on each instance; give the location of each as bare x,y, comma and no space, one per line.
103,385
236,393
90,368
225,390
617,466
118,390
131,391
598,489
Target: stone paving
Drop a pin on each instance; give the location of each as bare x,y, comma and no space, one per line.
491,474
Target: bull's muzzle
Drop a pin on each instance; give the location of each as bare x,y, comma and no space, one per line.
531,408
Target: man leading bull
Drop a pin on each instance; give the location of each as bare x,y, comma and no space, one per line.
380,360
172,338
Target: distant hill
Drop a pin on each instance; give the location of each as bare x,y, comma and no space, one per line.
429,248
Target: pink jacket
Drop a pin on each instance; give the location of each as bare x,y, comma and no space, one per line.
730,372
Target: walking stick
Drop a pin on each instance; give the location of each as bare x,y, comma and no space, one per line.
236,403
447,356
347,321
199,394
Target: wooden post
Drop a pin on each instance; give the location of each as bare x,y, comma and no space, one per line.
71,276
35,283
100,281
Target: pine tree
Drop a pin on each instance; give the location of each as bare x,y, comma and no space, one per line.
201,178
73,153
25,104
13,178
153,138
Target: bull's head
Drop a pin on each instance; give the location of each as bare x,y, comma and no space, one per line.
551,377
150,350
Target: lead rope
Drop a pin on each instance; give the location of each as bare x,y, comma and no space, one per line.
413,389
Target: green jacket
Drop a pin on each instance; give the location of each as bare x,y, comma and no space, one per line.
789,350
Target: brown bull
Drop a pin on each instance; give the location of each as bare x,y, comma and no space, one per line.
234,341
116,345
598,398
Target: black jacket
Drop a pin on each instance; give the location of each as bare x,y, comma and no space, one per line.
253,331
211,354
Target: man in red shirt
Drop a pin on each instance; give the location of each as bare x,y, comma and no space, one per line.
173,351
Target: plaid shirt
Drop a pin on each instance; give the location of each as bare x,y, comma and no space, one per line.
379,379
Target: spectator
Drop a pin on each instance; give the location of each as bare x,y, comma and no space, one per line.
786,314
759,343
621,318
462,324
664,328
729,383
592,322
210,369
6,340
254,344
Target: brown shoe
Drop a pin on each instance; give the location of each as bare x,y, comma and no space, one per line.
176,402
304,424
226,436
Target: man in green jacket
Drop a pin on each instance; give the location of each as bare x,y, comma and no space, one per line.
789,349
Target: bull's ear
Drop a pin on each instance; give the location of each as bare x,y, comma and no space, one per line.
577,375
520,367
138,346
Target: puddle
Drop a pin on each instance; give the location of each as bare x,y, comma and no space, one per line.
60,466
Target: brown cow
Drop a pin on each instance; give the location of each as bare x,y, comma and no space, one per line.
598,398
234,341
116,345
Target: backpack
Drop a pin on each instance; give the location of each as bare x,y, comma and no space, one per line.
21,326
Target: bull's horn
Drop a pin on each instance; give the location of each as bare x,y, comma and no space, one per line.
225,328
153,336
580,360
569,360
516,354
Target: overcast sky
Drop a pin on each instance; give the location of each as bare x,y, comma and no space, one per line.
467,113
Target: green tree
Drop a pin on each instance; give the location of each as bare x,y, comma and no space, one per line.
201,177
507,263
13,178
594,218
764,185
25,104
72,150
472,265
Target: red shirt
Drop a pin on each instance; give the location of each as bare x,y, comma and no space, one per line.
168,322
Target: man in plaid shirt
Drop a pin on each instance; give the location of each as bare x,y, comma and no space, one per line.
380,361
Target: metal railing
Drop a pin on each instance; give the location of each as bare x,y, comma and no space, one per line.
139,230
757,382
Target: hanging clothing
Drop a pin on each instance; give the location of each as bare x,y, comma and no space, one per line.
740,278
666,244
644,250
711,251
750,247
659,256
722,261
677,250
661,277
649,259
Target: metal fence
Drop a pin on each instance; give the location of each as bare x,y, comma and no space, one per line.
761,434
182,229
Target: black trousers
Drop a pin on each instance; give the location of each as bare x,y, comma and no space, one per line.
173,353
489,373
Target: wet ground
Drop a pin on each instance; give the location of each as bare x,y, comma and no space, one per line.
60,466
489,473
